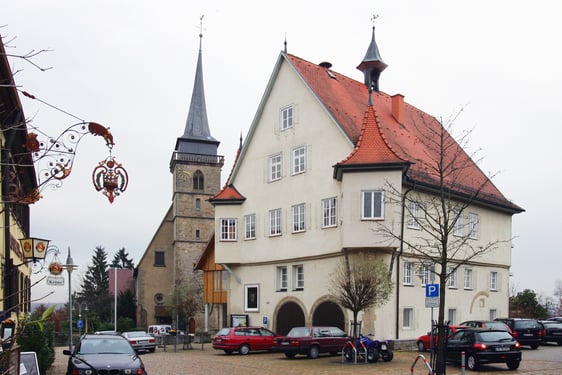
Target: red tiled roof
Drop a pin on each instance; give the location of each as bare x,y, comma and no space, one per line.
414,140
371,146
228,194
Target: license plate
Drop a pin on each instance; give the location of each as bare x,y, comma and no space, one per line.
527,334
502,349
284,343
143,342
383,346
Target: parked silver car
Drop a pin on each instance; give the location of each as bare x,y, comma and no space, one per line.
140,341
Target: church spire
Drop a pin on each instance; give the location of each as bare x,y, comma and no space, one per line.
372,64
197,138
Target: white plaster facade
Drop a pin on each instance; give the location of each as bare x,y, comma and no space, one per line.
256,261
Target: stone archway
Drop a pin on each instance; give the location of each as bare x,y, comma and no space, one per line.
328,313
289,315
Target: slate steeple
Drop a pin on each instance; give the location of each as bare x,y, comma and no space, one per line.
372,65
197,138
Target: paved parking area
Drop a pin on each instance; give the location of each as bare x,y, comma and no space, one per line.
210,361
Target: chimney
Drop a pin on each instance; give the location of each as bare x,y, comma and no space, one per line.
398,107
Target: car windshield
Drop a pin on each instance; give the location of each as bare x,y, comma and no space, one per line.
496,325
223,332
553,324
104,346
299,332
136,334
524,324
490,336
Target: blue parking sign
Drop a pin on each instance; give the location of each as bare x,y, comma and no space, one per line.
432,290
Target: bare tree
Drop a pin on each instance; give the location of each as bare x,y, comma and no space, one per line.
435,199
186,298
360,281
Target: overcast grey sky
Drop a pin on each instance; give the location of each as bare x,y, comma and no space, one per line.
130,66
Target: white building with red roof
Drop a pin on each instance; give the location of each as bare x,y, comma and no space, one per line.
313,182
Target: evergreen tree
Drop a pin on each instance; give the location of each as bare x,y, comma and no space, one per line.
121,260
127,306
95,286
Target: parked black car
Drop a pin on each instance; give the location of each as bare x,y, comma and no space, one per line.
552,331
104,354
526,331
483,346
488,324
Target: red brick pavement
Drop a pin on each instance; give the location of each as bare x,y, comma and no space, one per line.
211,362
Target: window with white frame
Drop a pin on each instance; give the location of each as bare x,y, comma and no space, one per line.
275,222
452,281
329,212
494,281
493,314
468,278
426,274
408,273
408,318
287,117
298,214
282,279
372,205
228,229
250,227
458,230
473,225
275,167
452,316
299,160
298,277
414,219
251,297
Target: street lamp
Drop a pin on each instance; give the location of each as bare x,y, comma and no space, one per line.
69,266
34,248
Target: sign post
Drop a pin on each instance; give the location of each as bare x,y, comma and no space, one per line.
432,300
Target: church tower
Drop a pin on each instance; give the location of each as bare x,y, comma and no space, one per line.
196,170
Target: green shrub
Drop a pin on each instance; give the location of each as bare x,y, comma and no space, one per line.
39,338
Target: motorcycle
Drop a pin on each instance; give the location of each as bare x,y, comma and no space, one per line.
367,349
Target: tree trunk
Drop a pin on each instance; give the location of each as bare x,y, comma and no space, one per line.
440,362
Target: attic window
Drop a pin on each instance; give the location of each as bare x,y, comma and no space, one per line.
327,65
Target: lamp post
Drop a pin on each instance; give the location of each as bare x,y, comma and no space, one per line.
70,266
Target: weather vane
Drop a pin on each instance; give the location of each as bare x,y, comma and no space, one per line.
201,26
373,18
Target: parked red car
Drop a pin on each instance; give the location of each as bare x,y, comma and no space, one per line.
243,339
311,341
424,342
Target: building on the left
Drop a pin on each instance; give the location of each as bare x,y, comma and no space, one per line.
18,189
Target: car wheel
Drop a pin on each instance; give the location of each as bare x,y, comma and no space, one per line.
421,347
348,354
313,352
534,346
290,355
472,363
372,355
513,365
244,349
387,356
559,343
152,350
